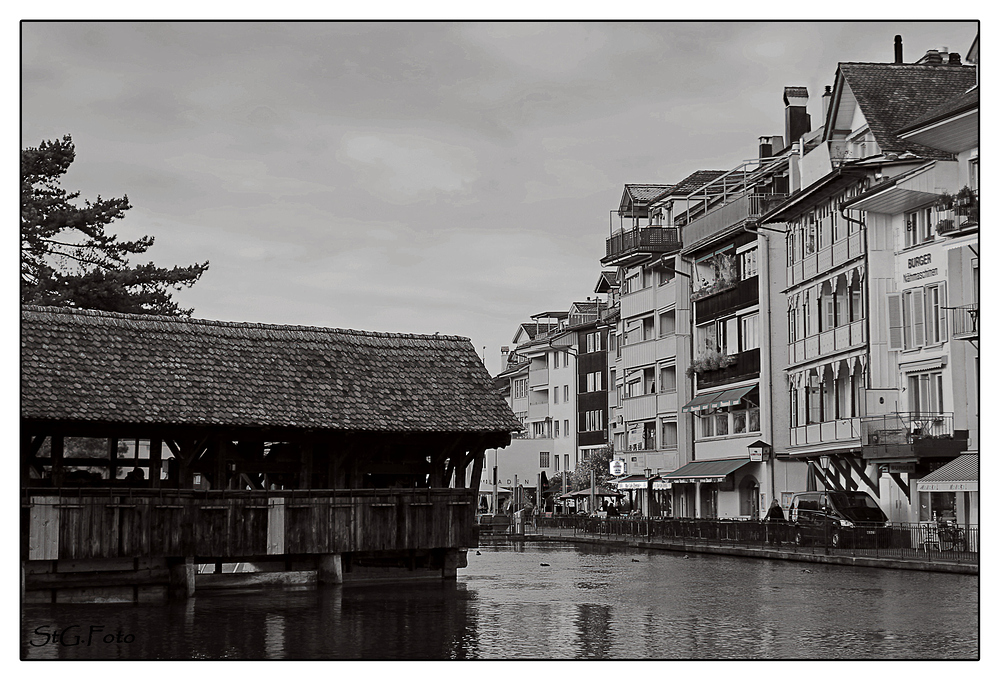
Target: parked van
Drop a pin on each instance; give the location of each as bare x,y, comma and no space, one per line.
837,518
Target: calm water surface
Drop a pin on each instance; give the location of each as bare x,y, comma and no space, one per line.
586,603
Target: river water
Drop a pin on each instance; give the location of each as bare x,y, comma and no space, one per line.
584,603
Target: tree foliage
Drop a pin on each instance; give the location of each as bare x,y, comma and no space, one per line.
598,461
67,256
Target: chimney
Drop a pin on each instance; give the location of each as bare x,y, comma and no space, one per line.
898,47
954,59
766,149
796,118
827,96
932,57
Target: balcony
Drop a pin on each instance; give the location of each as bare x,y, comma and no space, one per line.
829,342
538,378
740,209
629,246
538,411
639,354
725,299
965,322
843,431
911,435
747,365
638,302
641,408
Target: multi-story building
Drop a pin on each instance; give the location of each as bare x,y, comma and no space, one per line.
931,213
841,273
732,397
649,342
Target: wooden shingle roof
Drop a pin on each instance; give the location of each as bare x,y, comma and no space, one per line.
89,366
893,95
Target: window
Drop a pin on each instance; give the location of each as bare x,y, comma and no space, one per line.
913,319
667,323
543,459
594,382
810,234
974,174
555,430
556,461
807,327
926,392
829,305
555,396
566,460
919,225
749,332
539,429
791,325
668,379
565,393
647,328
793,402
593,421
668,435
667,273
555,360
935,321
594,342
748,263
729,336
566,427
814,406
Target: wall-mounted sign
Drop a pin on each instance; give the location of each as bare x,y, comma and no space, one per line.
617,467
910,468
918,261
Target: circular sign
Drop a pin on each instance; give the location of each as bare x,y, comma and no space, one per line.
617,467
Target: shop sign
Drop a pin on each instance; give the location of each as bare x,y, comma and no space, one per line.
910,468
756,455
947,486
617,467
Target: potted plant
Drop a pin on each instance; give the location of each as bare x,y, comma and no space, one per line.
709,360
966,198
945,225
944,202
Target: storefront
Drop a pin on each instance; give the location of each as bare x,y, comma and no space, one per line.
698,488
951,493
637,488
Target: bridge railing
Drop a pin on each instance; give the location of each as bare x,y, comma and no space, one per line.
930,541
134,523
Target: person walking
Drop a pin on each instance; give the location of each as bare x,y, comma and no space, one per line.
774,515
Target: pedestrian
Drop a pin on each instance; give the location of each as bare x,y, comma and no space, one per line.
774,515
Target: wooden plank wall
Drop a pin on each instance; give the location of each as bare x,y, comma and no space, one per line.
243,524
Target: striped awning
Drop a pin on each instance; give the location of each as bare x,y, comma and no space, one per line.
724,398
959,475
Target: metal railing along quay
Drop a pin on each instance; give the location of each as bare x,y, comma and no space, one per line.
929,542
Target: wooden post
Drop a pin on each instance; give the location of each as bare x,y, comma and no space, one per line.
57,460
155,462
330,569
182,572
113,458
306,466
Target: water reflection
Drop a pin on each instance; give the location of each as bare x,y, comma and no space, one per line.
581,604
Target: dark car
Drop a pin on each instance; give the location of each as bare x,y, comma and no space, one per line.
837,518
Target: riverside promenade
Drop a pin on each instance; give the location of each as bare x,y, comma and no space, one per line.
903,553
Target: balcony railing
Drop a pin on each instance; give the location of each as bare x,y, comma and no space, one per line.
722,217
905,427
740,294
747,365
642,240
965,321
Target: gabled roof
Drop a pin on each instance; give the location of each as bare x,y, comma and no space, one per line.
637,197
607,281
89,366
967,101
588,307
892,95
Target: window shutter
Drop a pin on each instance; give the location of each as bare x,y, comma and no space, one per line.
918,318
895,321
942,309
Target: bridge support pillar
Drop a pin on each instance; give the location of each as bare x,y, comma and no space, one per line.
449,568
182,573
331,569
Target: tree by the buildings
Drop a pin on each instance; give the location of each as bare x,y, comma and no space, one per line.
69,259
598,461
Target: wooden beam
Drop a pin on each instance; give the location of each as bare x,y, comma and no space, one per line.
859,467
113,458
828,480
57,460
899,483
844,469
478,458
155,462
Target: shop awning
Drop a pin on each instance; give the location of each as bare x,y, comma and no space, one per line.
959,475
639,482
705,471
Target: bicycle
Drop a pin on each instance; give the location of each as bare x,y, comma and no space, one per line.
952,538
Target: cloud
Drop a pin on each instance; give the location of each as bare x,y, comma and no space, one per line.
405,168
244,175
545,48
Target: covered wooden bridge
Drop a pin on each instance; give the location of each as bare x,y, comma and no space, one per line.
150,445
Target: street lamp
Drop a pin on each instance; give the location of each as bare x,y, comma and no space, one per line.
824,461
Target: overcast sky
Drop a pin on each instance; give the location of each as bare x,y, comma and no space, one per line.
413,177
